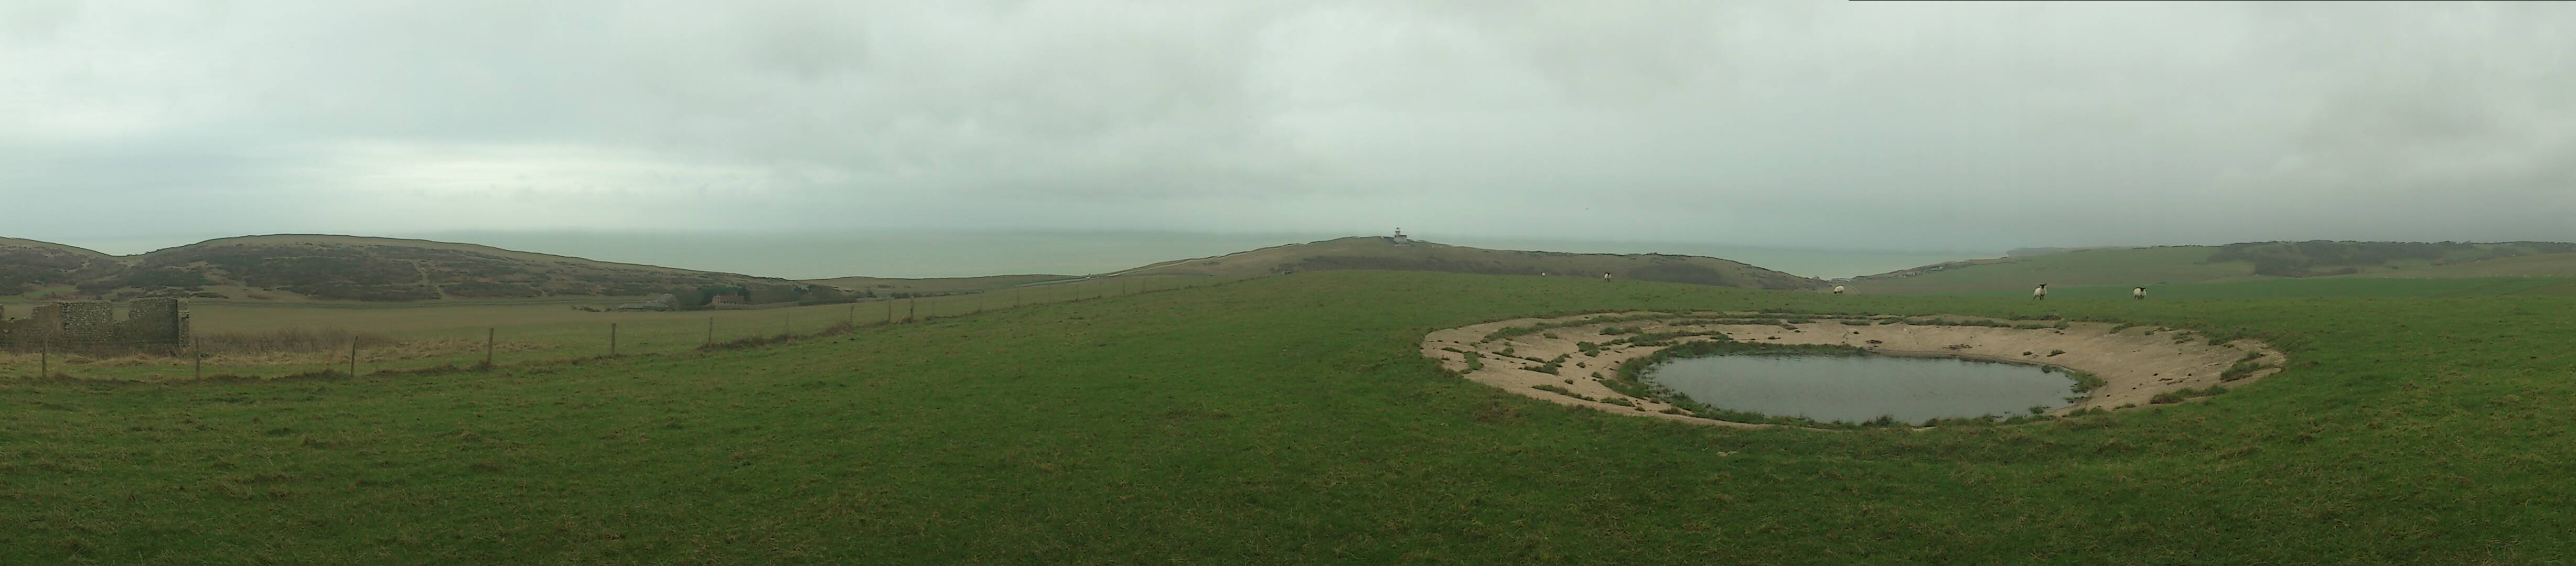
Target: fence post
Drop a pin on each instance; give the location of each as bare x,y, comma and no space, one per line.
612,339
487,348
889,310
711,332
854,313
197,351
910,307
45,361
353,355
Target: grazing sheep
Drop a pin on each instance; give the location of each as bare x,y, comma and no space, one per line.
2138,293
2039,293
1605,276
1838,289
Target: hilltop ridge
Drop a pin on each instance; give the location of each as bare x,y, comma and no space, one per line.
1407,254
295,267
320,267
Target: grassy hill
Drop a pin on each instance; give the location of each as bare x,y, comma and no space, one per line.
351,268
294,268
1293,420
937,285
319,267
2169,265
27,265
1375,252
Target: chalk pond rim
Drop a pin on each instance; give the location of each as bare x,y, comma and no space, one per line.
1861,387
1575,360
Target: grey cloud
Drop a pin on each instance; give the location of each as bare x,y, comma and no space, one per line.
1779,123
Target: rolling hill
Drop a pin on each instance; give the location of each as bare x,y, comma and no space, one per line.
936,285
1386,253
30,264
2167,265
354,268
319,267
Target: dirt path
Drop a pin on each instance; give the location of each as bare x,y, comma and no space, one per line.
2135,364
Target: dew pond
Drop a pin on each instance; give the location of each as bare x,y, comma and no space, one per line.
1860,388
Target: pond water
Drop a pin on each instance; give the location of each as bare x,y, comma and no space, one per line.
1860,388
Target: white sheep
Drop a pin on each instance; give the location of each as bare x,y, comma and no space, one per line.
1838,289
2039,293
2138,293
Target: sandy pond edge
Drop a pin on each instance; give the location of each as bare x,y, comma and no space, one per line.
2135,364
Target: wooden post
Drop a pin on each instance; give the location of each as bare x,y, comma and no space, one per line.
197,350
854,313
711,332
487,349
911,307
612,339
45,360
353,356
889,310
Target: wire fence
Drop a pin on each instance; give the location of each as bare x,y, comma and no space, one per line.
342,350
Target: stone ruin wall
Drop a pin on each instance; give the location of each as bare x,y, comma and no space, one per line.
86,322
159,322
155,322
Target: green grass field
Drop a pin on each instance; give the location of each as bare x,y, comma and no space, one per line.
890,285
1291,420
2177,265
2311,287
2559,264
2123,267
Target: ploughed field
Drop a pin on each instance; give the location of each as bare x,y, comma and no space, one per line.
1294,419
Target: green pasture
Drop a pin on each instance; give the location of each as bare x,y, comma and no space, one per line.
2117,266
2346,286
1292,420
441,334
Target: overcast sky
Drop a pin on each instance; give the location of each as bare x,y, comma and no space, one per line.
1870,125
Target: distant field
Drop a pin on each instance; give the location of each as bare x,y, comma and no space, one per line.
433,334
2313,287
886,285
2562,265
2173,265
1293,420
1380,253
2115,266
